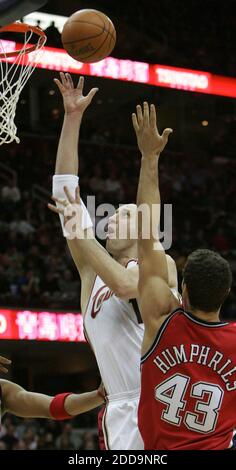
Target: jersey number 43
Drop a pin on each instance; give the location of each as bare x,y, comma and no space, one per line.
208,397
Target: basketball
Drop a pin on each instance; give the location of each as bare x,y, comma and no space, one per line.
88,36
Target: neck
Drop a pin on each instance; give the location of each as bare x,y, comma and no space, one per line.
206,316
125,255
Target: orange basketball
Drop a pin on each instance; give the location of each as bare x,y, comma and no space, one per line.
88,35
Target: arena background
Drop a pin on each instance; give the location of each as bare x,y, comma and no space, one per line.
198,178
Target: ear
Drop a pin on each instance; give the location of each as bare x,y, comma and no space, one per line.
185,296
184,290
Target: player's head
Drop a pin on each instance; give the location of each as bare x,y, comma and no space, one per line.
122,229
207,280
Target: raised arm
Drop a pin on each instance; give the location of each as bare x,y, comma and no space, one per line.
155,296
67,161
18,401
75,104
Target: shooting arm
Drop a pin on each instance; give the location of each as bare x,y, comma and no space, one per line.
67,162
123,282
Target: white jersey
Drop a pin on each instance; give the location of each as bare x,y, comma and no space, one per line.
115,331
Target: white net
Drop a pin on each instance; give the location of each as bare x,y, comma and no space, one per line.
14,73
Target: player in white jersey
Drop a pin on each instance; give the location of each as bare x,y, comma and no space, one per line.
109,284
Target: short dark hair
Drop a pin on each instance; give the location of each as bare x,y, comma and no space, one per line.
208,279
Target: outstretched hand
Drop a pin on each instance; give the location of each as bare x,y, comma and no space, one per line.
150,142
73,98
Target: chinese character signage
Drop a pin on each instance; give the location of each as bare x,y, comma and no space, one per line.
139,72
44,326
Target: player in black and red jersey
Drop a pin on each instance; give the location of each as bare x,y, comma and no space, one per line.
188,390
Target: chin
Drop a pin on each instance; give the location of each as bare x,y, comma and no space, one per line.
113,246
110,246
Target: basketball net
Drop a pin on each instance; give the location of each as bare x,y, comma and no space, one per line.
16,67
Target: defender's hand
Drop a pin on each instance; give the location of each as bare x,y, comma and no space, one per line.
73,98
4,362
101,391
150,142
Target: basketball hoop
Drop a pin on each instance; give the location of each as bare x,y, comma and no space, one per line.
16,67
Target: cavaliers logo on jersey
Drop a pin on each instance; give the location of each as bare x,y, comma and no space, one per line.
103,294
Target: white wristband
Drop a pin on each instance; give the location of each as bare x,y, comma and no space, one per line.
71,181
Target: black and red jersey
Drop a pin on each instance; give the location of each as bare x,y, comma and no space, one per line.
188,390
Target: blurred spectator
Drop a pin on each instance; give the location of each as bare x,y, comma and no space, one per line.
113,185
2,445
9,438
21,226
64,441
69,287
29,439
88,441
21,445
53,36
11,192
220,241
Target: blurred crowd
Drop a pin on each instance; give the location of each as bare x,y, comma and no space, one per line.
40,434
36,269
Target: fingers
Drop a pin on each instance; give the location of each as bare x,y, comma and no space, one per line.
55,209
135,122
59,85
91,94
153,116
166,133
69,80
65,83
80,85
4,360
68,195
62,202
145,114
142,115
139,115
63,79
77,195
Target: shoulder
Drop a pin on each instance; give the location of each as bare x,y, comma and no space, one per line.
153,335
156,298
